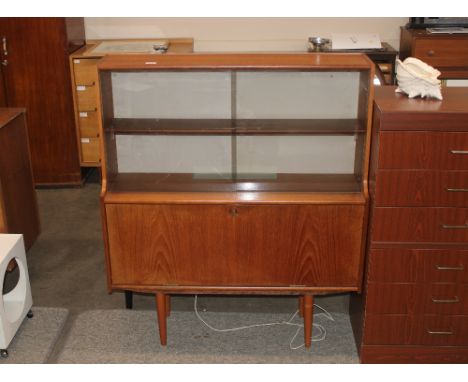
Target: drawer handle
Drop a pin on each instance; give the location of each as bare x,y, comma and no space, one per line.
462,152
443,268
430,52
456,189
442,333
88,85
89,111
447,226
452,301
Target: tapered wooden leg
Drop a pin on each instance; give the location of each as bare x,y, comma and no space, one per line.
161,308
301,306
168,305
308,314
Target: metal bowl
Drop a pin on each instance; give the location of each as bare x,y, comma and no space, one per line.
319,42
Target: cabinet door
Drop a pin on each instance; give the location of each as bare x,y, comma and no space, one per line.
222,245
170,244
299,245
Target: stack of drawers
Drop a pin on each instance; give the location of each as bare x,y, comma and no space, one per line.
87,115
446,52
415,301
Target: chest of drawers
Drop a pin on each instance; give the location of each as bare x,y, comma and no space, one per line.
446,52
414,307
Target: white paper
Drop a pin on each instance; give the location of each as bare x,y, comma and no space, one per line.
356,41
83,114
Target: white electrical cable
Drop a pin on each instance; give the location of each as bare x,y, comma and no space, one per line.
321,335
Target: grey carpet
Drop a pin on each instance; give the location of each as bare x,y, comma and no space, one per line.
36,336
125,336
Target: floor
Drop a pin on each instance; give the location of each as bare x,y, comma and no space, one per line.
67,269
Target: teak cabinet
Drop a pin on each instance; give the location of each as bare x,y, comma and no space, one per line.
83,64
35,67
235,173
415,303
18,204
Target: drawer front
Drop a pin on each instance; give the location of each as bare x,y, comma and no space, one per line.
89,124
418,265
393,298
438,330
420,225
85,71
408,188
423,150
90,150
450,52
86,98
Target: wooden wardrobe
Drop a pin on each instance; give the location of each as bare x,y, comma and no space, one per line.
35,75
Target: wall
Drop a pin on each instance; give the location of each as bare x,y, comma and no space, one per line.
243,34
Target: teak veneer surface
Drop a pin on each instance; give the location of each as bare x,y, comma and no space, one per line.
227,61
219,245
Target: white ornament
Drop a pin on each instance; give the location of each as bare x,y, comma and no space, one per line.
416,78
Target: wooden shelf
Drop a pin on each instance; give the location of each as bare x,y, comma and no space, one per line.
164,182
133,126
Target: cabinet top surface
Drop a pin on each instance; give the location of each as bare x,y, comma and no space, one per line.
8,114
455,100
314,61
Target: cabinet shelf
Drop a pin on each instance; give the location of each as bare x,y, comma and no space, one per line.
184,182
150,126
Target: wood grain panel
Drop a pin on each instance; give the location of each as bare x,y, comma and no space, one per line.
406,188
244,61
171,245
218,245
413,354
18,204
442,52
423,150
38,77
396,298
300,245
437,330
420,224
414,265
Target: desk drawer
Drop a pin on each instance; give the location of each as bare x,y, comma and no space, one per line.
397,329
408,188
89,124
423,150
418,265
86,98
442,52
90,150
85,71
393,298
420,225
